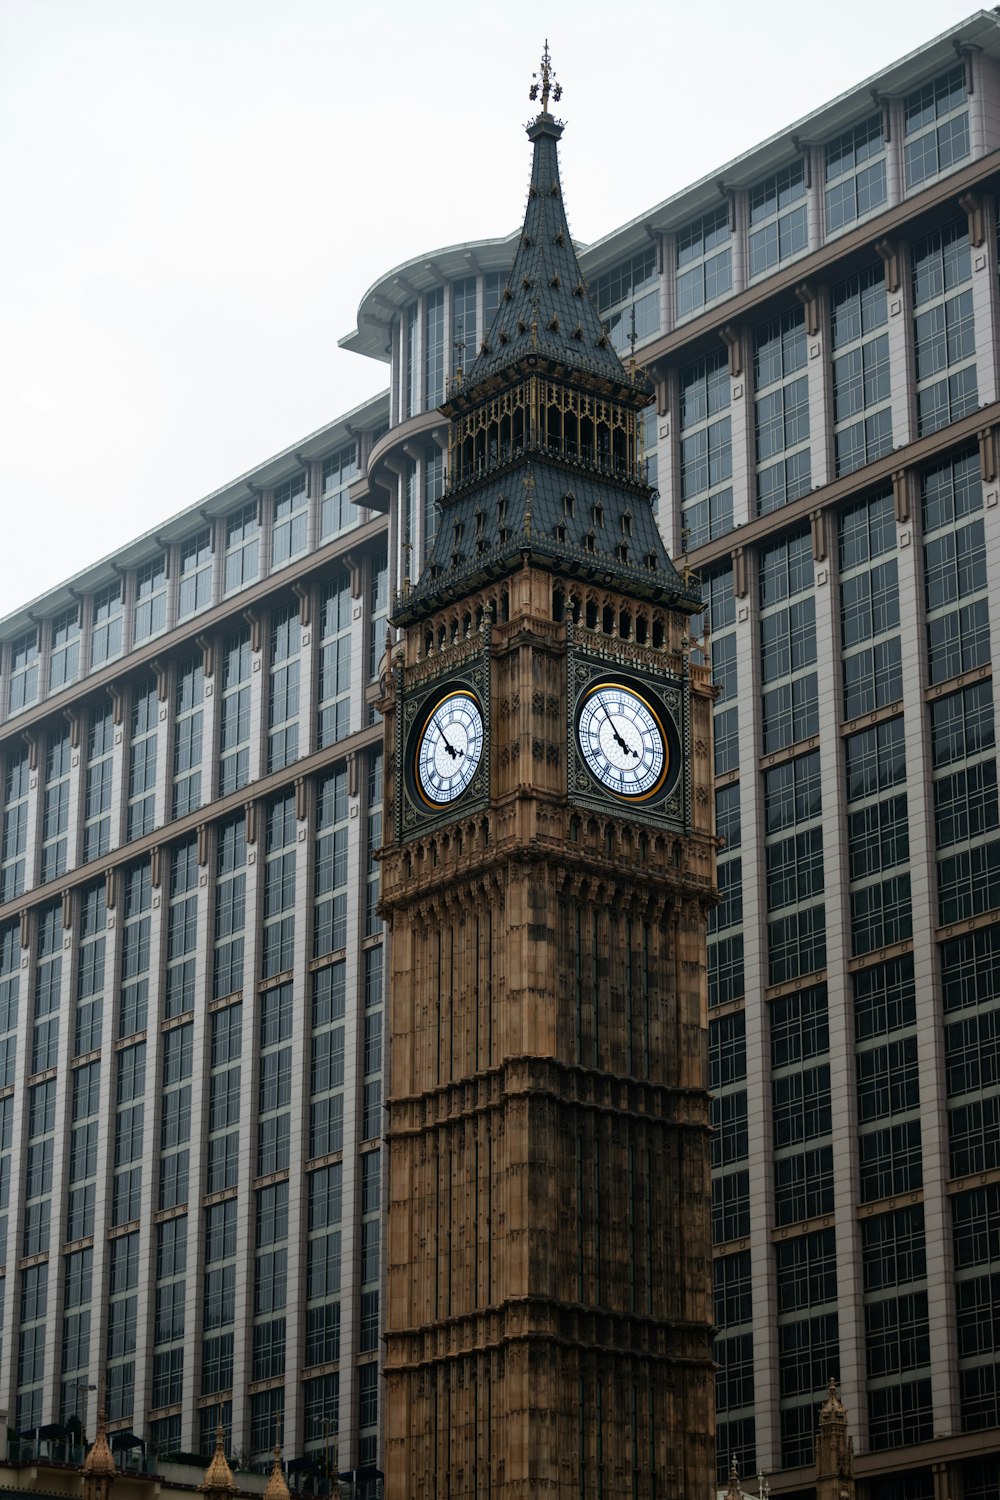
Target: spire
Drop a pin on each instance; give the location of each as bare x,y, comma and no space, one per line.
834,1450
544,460
545,309
735,1490
277,1485
218,1478
99,1462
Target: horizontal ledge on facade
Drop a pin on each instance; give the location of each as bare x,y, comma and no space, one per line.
788,752
877,475
879,956
809,267
887,1205
792,986
967,924
954,684
223,1195
802,1226
226,611
212,812
876,716
972,1180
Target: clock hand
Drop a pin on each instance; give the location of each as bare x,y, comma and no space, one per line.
627,748
455,754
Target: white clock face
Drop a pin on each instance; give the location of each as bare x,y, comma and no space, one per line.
622,740
449,748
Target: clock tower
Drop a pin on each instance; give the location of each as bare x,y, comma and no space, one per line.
547,872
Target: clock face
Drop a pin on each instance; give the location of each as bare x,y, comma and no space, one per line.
449,748
622,740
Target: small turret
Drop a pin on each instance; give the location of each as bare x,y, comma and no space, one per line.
218,1481
99,1470
834,1451
277,1485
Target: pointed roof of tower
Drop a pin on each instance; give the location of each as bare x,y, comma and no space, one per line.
833,1409
557,480
99,1462
218,1475
545,308
277,1485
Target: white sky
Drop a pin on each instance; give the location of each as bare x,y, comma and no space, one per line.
196,194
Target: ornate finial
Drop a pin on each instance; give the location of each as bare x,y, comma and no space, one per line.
99,1462
529,487
734,1492
458,344
277,1485
763,1487
218,1478
545,82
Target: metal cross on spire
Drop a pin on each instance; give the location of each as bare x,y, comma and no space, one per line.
546,82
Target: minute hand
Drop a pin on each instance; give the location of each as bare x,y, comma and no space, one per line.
627,748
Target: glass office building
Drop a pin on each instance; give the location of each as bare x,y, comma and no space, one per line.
191,956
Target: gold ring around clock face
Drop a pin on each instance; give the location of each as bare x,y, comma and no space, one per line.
622,741
449,748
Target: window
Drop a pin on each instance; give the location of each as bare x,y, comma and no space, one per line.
855,174
279,887
291,513
779,226
22,659
330,927
944,329
434,348
970,969
188,698
706,451
861,411
283,698
274,1084
16,785
242,564
890,1161
230,910
55,805
433,491
142,760
410,334
799,1027
704,262
135,950
936,127
337,514
64,652
788,643
781,412
628,299
106,629
378,612
730,1206
803,1184
335,662
150,599
196,573
463,324
806,1271
234,713
98,784
869,607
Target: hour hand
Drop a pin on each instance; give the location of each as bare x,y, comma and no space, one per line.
627,748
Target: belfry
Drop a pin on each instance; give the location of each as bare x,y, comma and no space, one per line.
548,868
